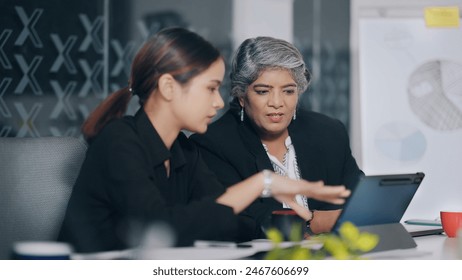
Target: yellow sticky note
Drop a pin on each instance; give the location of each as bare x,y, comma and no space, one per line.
442,16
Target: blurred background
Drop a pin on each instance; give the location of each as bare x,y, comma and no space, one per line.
60,58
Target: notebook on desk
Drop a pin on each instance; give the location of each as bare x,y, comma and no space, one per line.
379,199
422,230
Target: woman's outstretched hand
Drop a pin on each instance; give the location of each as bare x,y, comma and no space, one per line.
331,194
242,194
284,190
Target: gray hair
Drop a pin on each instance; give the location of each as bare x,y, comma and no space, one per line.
257,54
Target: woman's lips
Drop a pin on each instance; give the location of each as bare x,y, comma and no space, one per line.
275,117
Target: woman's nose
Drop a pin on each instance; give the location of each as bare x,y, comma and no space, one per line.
275,99
218,102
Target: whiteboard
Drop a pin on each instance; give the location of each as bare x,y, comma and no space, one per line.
411,108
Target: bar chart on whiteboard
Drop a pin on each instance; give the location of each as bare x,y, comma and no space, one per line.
411,107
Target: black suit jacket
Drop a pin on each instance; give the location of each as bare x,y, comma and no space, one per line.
233,150
123,187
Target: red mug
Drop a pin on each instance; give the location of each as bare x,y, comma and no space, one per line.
451,222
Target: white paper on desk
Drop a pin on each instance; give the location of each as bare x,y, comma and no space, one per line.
196,253
262,245
417,228
107,255
220,253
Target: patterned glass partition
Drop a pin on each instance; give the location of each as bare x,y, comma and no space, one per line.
60,58
51,59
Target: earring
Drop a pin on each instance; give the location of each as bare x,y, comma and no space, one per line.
242,114
295,115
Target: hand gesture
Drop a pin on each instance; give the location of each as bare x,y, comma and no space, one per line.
285,189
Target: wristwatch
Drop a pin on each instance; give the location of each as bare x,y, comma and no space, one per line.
309,221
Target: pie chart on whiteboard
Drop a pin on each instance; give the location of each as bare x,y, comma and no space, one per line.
435,94
400,141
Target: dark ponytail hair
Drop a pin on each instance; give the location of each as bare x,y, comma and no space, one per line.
176,51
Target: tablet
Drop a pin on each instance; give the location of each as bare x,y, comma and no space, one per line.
379,199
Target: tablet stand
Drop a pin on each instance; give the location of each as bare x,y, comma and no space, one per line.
392,236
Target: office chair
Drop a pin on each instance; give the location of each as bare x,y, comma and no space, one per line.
36,179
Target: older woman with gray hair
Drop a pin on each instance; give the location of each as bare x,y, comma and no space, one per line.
264,129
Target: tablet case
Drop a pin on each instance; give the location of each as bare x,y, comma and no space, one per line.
378,203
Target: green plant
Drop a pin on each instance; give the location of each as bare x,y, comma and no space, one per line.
350,243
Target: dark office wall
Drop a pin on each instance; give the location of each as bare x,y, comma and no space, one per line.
322,33
60,58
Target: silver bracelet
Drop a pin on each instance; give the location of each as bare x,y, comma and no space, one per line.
267,181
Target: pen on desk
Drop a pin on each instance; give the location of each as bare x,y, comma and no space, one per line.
219,244
423,222
211,244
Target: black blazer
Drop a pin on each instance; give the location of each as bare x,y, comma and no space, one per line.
123,187
233,150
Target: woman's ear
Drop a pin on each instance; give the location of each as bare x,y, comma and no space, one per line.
166,86
241,101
